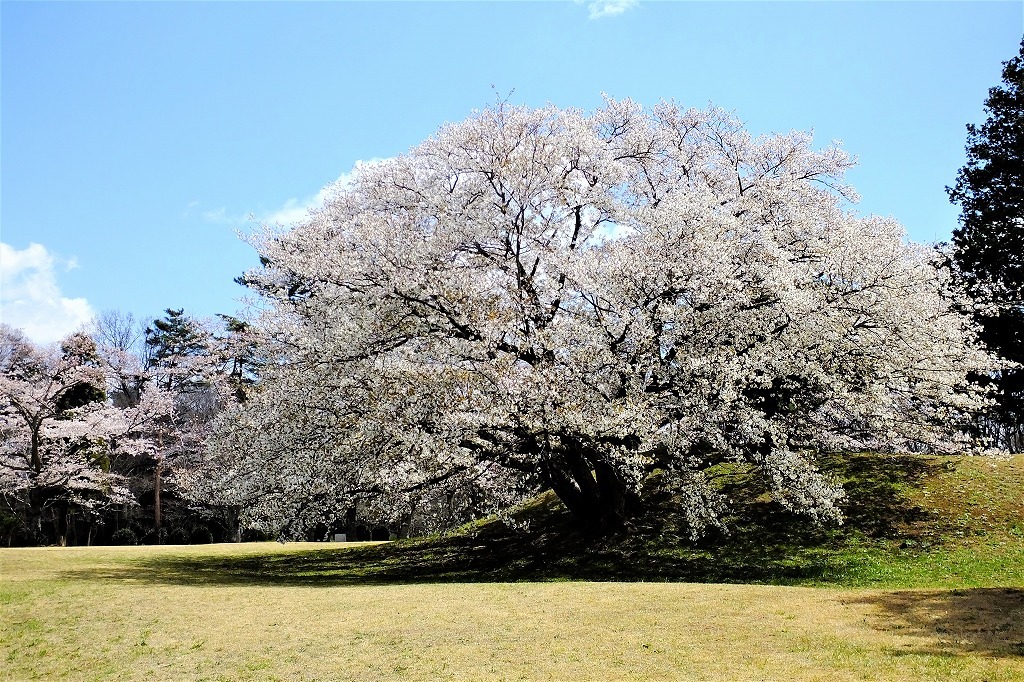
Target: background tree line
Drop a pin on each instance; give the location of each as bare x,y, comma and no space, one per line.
93,428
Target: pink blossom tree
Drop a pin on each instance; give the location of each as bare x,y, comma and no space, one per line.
60,432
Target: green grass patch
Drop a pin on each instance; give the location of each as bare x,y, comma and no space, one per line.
924,581
105,614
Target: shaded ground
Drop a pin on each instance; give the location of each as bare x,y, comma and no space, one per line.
908,523
989,621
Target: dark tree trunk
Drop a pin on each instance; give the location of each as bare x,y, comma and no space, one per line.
591,489
405,523
157,516
60,524
38,520
350,523
35,461
234,528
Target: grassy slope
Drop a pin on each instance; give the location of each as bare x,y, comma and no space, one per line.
910,522
443,608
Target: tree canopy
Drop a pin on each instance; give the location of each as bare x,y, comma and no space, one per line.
542,298
989,244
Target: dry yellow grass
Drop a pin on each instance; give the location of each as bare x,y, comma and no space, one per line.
81,614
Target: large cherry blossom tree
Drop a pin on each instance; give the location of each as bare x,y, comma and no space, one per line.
544,298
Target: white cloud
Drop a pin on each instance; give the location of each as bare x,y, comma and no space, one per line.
30,298
609,8
295,211
220,216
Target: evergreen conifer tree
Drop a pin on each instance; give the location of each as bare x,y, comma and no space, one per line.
989,244
173,343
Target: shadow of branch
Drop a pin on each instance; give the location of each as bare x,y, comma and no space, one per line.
987,621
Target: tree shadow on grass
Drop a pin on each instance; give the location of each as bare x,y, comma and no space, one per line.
876,488
460,562
765,544
987,621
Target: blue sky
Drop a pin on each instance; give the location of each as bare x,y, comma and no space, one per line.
138,138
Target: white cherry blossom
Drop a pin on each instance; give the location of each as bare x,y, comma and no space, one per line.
545,298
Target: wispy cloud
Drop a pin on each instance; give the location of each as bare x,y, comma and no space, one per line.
296,210
221,217
30,298
608,8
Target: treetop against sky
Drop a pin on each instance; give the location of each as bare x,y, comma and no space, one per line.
140,139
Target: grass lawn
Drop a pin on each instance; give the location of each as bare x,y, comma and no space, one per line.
925,582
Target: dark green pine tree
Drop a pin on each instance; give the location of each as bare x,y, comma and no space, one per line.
238,356
989,244
173,343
